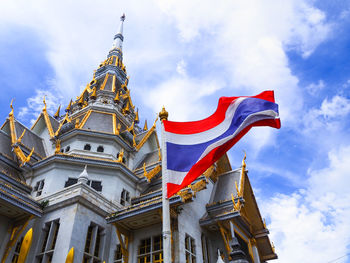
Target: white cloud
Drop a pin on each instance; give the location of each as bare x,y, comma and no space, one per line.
35,104
314,88
312,223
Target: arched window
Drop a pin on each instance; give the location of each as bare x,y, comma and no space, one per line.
67,148
124,197
87,147
100,149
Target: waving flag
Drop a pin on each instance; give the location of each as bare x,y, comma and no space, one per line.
192,147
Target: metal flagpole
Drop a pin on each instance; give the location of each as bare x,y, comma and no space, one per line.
163,115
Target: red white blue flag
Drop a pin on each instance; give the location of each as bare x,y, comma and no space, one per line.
192,147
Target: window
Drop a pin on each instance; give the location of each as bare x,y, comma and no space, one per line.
67,148
118,256
125,197
100,149
70,182
97,185
93,244
48,241
87,147
38,188
16,251
150,250
190,249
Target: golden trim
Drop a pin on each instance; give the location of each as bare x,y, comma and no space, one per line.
113,84
114,119
225,237
198,186
66,118
104,82
149,175
124,244
87,115
48,122
21,156
148,134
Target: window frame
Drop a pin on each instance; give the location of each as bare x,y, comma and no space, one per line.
150,255
48,241
87,146
190,249
38,188
94,242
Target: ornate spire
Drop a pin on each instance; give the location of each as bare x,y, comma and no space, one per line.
57,114
118,38
145,128
83,177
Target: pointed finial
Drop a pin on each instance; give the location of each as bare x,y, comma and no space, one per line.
116,98
69,106
81,100
93,94
118,38
83,177
11,113
163,115
137,120
127,108
44,101
57,114
145,128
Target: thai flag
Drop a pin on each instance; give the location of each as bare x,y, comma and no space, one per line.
192,147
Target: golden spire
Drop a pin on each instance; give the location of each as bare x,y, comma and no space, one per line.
44,101
127,108
163,115
57,114
93,95
11,112
145,128
241,187
137,120
69,106
81,100
116,99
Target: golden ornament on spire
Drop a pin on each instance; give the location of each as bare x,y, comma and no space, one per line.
69,106
57,114
145,128
44,101
93,94
116,98
137,120
81,100
163,115
11,112
127,108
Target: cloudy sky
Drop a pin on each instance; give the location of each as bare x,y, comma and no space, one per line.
185,55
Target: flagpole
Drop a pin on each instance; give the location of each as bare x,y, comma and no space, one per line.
163,115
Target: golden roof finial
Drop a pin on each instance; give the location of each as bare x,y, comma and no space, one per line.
127,108
145,128
120,156
93,95
69,106
163,115
44,101
81,100
11,112
241,187
137,120
116,98
57,114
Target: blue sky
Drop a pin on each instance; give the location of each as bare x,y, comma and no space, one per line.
185,55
